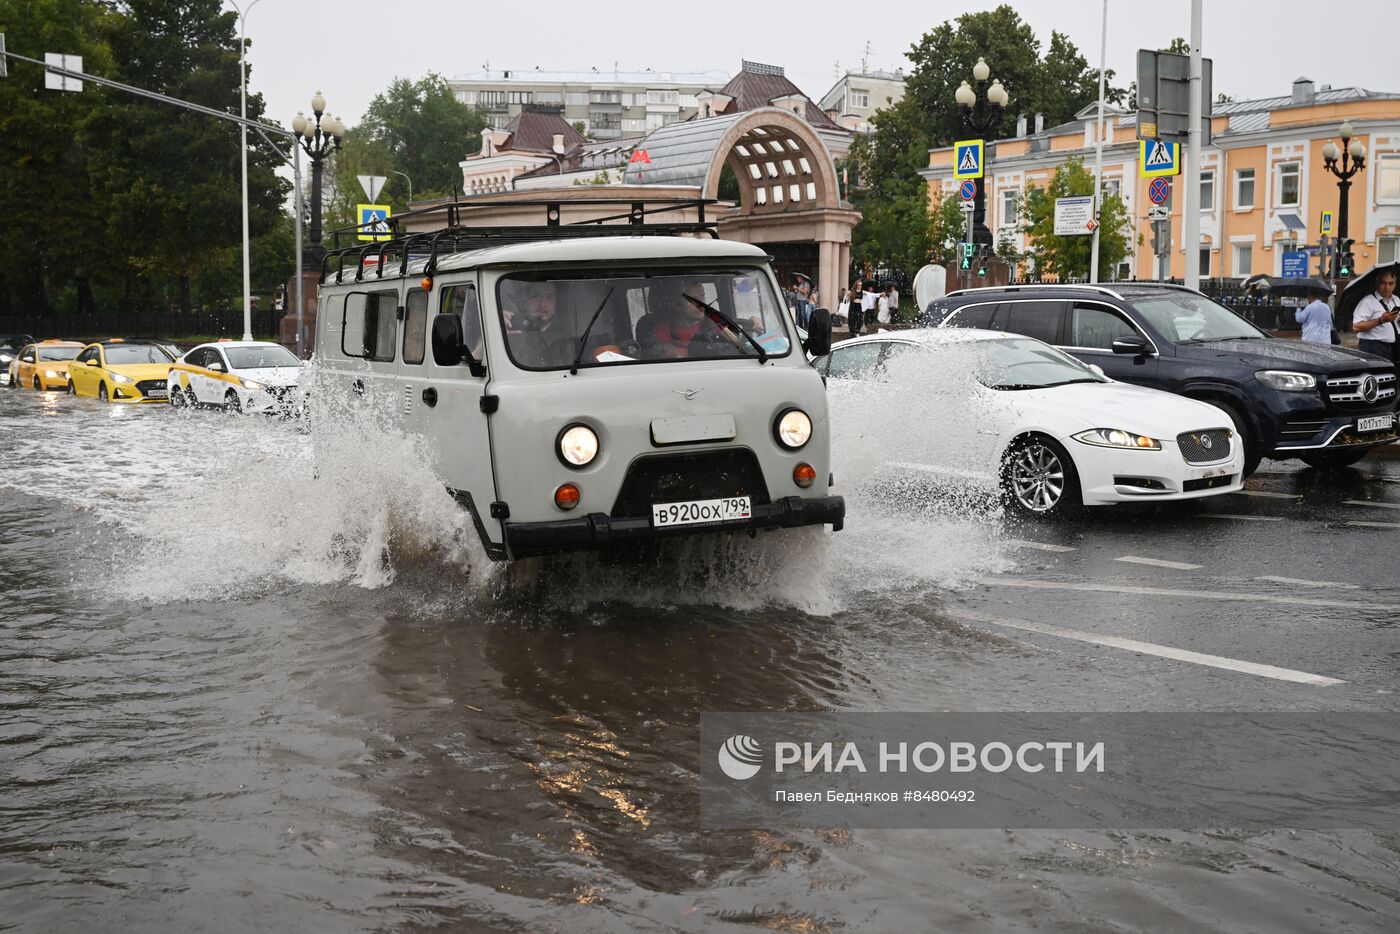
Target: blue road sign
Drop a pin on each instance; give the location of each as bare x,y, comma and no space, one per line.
1295,264
1159,191
967,158
1158,158
967,190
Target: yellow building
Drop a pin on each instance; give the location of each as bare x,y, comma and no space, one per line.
1263,185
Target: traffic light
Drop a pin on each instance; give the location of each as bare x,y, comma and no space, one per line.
966,259
1345,261
983,252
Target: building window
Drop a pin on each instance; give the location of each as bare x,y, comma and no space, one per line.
1387,250
1244,259
467,97
1008,208
575,98
549,97
859,98
634,124
1388,178
1112,187
1244,189
1288,188
489,98
605,97
662,97
522,97
1208,190
1205,261
687,100
602,120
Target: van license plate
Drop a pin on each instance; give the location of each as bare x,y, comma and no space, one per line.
701,512
1375,423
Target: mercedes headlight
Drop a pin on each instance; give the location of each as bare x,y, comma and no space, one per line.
1117,438
1287,380
793,429
578,446
251,384
119,378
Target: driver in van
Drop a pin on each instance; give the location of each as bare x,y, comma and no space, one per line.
689,325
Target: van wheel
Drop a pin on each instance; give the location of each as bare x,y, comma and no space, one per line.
1252,454
232,403
1038,479
1332,460
102,392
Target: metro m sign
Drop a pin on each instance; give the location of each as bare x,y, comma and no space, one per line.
640,155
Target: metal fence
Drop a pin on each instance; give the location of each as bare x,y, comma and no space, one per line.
143,323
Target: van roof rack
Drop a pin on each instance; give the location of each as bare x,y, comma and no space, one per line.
458,237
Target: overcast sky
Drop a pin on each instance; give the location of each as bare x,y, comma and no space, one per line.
352,49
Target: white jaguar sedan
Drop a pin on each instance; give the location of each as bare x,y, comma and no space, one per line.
1052,432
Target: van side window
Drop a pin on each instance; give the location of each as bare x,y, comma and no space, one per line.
381,326
415,327
461,300
1040,320
1096,327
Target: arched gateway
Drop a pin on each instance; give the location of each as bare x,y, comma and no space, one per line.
789,200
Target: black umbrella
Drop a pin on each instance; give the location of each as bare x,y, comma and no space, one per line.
1359,288
1277,287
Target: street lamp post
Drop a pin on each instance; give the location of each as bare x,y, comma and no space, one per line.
243,152
1343,163
320,136
981,108
410,186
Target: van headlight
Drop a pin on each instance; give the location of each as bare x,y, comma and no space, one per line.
1287,380
578,446
119,378
793,429
1117,438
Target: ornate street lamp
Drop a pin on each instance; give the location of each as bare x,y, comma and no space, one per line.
1352,159
320,136
981,108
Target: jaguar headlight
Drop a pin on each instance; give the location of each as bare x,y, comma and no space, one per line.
119,378
1287,380
793,429
578,446
1117,438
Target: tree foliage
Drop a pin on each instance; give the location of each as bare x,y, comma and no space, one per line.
425,131
892,195
1068,257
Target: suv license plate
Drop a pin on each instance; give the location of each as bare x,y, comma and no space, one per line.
1375,423
701,512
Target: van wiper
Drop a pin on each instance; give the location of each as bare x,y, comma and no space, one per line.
712,313
583,341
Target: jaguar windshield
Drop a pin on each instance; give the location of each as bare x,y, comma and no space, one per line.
1018,364
1186,318
556,321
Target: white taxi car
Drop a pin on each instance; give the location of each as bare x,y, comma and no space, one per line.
241,376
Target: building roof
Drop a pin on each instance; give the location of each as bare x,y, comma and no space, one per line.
758,86
681,152
534,132
646,78
593,156
1324,96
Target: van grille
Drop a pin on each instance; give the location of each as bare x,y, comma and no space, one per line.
1204,447
674,478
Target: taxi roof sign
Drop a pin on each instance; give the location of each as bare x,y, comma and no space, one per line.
967,158
374,222
1157,157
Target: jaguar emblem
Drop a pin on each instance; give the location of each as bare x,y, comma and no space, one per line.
1370,388
1206,442
688,393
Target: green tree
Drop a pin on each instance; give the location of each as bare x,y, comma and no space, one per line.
1068,257
425,130
359,154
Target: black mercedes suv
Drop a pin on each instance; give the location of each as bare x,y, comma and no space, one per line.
1326,405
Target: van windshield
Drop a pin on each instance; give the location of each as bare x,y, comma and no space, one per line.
639,316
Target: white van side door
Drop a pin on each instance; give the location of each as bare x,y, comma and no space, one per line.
368,343
448,405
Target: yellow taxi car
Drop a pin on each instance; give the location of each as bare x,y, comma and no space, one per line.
121,371
43,365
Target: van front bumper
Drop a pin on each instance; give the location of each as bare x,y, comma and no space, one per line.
598,530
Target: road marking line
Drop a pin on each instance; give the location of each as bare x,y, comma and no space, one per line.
1377,525
1230,515
1267,493
1198,594
1367,502
1306,583
1161,651
1159,563
1040,546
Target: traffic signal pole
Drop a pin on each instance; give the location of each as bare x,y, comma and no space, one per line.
1191,157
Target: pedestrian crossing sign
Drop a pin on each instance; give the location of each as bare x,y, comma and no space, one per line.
967,159
374,222
1325,225
1156,158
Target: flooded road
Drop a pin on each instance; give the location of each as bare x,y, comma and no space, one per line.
248,684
